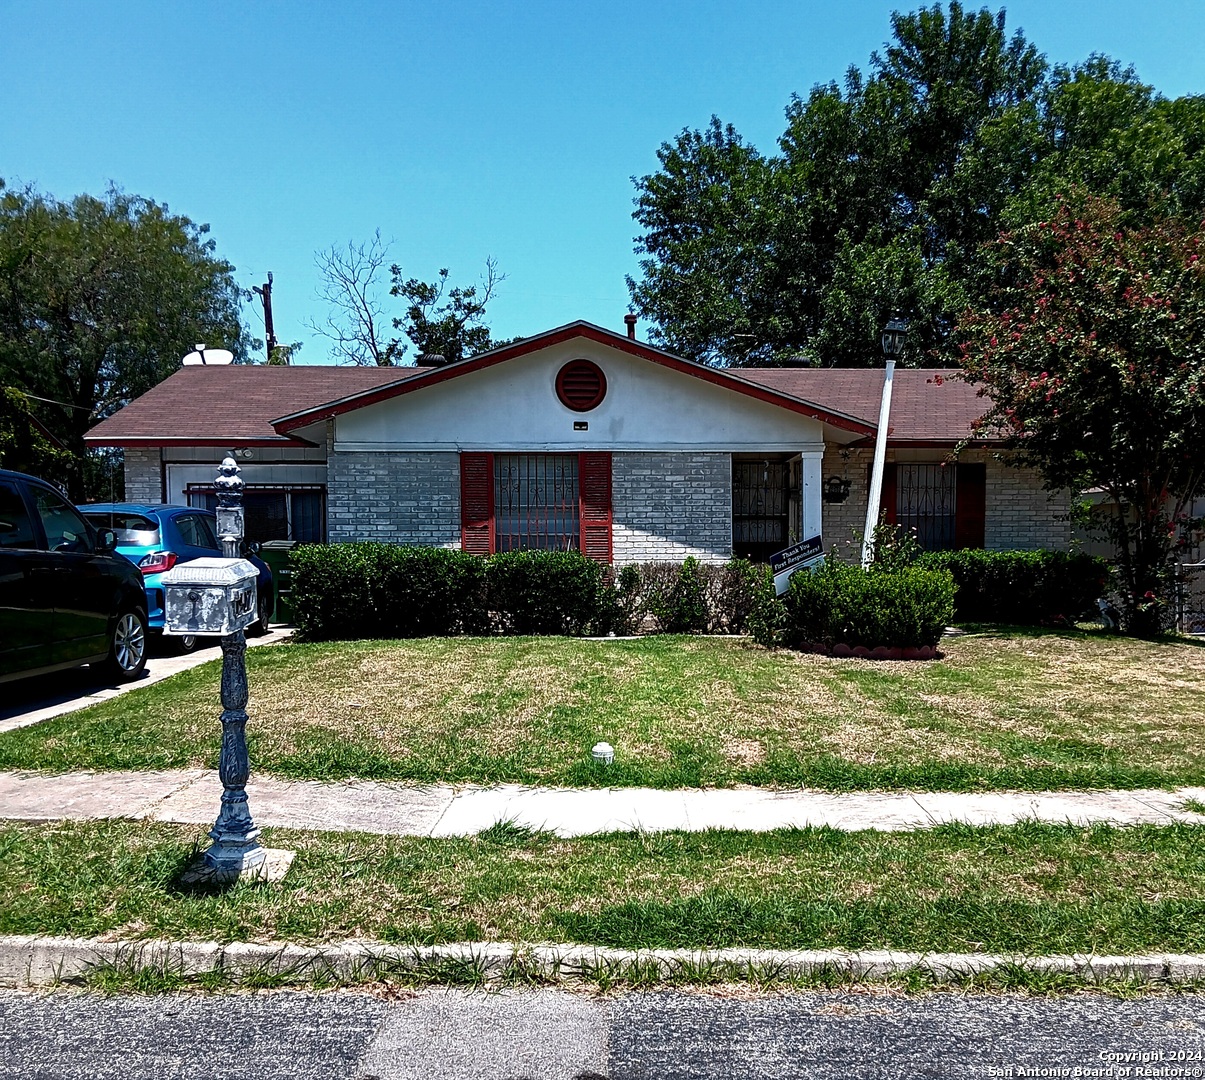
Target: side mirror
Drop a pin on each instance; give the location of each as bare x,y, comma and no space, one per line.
252,548
106,541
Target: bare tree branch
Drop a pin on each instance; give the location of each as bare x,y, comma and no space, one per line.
351,285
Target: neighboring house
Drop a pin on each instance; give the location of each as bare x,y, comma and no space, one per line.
580,437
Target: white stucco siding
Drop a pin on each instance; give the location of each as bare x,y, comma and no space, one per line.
513,406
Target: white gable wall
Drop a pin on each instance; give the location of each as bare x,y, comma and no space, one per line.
513,406
394,465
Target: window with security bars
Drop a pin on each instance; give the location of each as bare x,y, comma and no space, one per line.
926,500
536,502
760,507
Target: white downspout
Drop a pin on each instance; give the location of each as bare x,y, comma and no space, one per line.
876,474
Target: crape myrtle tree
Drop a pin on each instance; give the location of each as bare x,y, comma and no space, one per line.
1092,364
99,300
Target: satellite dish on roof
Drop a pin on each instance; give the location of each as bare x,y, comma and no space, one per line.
207,357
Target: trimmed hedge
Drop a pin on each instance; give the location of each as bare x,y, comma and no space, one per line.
543,592
1028,588
842,604
352,591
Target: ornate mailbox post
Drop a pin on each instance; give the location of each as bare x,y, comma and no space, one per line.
217,596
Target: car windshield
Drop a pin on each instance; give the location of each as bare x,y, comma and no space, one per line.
130,528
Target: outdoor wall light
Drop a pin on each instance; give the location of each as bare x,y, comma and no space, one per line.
836,489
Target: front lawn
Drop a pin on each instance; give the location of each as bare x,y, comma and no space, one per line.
1026,889
1005,709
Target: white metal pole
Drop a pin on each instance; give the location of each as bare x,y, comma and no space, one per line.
876,474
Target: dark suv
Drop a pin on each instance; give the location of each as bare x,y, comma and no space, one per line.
66,596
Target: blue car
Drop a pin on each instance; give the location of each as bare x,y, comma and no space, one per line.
157,537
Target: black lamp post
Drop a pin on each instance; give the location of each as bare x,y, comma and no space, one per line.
895,333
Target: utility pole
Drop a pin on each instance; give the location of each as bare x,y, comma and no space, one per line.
265,294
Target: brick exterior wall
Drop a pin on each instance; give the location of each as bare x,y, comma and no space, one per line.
1020,514
842,523
666,506
396,498
414,498
144,475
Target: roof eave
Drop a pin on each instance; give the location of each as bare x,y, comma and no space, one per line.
126,441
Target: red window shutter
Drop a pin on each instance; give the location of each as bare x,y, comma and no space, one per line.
594,475
970,505
477,503
888,508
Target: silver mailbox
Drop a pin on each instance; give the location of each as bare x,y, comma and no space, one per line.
209,596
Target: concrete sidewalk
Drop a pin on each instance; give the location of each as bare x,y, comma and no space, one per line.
392,808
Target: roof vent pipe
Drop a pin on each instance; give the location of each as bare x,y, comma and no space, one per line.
630,321
431,359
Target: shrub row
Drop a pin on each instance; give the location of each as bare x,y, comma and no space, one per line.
351,591
692,597
1029,588
840,604
345,591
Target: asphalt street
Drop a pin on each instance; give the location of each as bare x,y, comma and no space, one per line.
556,1035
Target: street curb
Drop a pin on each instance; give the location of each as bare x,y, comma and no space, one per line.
33,961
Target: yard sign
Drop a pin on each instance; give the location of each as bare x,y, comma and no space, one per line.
807,553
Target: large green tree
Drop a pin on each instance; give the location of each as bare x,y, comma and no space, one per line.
24,444
99,300
1092,360
885,188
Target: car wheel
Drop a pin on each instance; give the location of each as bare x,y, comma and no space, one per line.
186,643
127,647
264,603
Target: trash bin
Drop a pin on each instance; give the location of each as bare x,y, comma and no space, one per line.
276,554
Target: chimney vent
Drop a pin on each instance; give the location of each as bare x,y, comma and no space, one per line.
630,321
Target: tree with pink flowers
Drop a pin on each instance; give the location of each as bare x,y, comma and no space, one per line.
1091,360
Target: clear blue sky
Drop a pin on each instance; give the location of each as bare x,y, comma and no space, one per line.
461,129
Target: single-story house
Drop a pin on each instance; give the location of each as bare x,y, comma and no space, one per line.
580,437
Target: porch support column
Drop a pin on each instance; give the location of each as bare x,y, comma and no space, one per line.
811,494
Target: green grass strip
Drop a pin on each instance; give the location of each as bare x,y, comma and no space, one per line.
1027,888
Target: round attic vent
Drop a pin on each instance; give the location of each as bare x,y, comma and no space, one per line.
581,385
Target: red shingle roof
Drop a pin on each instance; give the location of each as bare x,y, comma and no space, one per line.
234,404
927,405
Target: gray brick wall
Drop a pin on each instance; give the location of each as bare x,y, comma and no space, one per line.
666,506
397,498
1019,513
414,498
144,475
842,523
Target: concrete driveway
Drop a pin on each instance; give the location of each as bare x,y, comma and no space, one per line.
28,701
